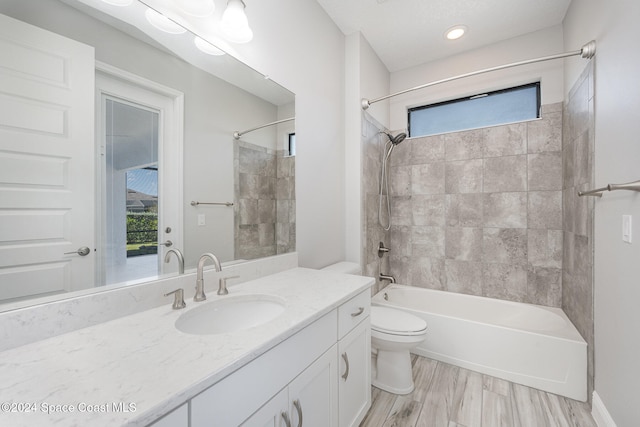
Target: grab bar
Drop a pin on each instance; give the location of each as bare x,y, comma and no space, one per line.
630,186
195,203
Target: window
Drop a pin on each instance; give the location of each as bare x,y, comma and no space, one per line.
486,109
292,144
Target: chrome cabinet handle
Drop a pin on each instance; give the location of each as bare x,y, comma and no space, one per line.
83,251
167,243
346,361
358,313
285,417
298,406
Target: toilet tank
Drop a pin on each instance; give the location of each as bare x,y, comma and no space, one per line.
345,267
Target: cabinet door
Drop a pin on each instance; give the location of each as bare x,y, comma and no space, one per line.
272,414
354,354
313,395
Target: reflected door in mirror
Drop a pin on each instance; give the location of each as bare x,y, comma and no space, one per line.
135,186
46,162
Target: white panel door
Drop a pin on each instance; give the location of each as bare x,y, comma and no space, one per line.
46,161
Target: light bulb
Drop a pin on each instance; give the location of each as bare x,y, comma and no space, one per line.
235,25
163,23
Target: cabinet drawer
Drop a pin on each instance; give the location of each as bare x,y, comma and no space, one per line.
352,312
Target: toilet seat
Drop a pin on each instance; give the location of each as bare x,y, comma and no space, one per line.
396,322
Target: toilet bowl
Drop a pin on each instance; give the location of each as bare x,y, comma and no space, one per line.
394,334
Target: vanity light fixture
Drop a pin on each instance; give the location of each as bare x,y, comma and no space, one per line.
456,32
163,23
207,47
197,8
118,2
235,25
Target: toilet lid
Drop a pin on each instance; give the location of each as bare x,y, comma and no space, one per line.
397,322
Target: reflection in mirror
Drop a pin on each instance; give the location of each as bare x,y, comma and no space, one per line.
73,177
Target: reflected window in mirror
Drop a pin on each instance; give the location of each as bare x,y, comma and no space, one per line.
292,144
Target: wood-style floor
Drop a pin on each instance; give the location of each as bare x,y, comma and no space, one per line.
449,396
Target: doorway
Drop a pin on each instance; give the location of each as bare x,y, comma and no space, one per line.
140,177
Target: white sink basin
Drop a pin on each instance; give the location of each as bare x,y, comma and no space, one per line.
230,313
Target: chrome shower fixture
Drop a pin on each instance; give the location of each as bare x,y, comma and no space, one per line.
384,175
395,140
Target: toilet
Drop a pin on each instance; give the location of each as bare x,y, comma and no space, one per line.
394,333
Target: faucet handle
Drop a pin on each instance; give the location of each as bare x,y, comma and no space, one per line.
222,288
178,300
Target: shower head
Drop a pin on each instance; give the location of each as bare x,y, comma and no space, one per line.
395,140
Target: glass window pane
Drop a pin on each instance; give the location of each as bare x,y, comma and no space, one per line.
490,109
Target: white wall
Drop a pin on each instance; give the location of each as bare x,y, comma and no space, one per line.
614,26
365,74
533,45
298,46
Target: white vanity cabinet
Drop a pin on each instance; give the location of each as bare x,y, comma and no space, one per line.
320,374
310,399
234,399
354,354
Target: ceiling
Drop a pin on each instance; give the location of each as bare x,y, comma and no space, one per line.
406,33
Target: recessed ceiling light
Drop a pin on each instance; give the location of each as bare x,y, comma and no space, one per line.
456,32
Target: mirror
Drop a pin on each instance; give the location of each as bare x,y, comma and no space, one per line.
209,192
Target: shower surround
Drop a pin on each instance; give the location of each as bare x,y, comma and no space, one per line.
493,212
480,211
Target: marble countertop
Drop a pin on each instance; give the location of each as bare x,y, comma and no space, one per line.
132,370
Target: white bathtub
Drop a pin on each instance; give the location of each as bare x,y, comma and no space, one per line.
528,344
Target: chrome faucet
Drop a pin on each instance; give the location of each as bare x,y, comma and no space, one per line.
180,257
200,296
387,277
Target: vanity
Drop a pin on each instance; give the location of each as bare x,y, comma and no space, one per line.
310,362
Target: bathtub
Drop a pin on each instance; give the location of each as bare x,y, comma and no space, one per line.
528,344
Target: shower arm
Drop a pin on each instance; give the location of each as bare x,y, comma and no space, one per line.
587,51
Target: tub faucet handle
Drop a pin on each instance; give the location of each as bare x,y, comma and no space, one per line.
382,250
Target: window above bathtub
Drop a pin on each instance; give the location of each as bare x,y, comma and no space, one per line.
499,107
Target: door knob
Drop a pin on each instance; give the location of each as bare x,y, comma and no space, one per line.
167,243
83,251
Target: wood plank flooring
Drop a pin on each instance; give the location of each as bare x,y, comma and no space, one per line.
449,396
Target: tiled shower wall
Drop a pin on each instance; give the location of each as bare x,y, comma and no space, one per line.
493,212
264,212
578,212
480,211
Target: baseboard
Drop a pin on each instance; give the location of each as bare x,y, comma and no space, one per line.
600,413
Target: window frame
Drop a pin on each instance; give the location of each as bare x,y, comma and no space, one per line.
472,97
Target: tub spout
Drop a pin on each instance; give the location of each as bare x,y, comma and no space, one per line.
387,277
